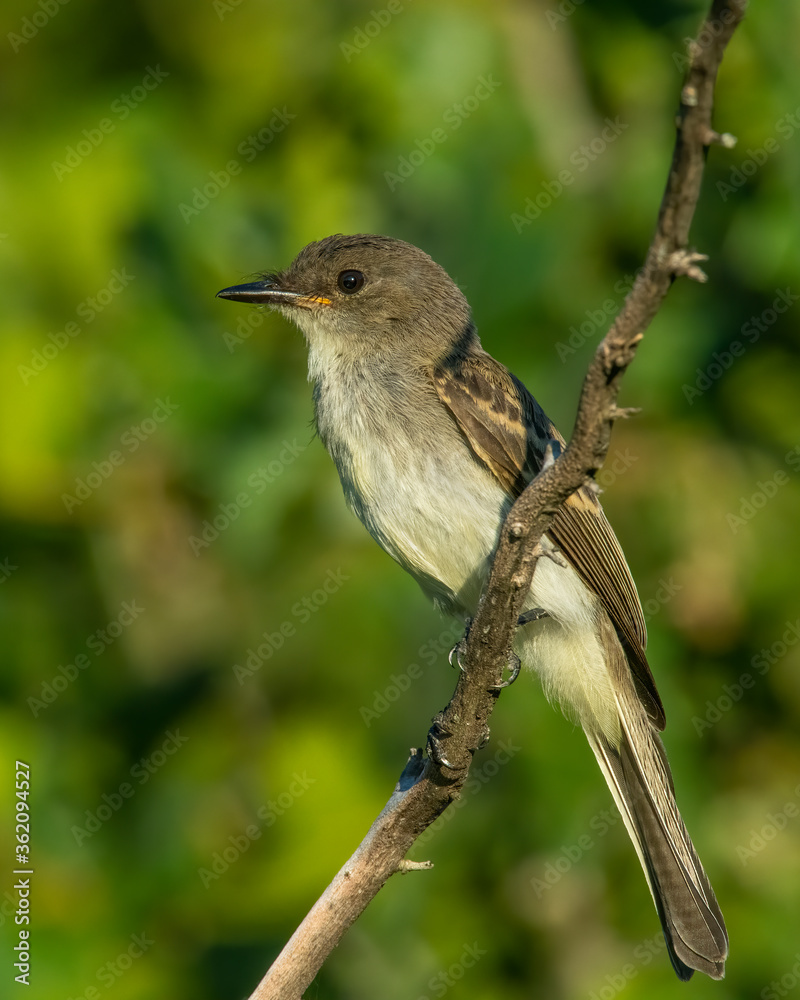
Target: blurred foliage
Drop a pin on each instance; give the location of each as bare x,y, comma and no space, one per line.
154,153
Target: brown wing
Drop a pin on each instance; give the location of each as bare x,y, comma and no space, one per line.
583,534
509,431
490,408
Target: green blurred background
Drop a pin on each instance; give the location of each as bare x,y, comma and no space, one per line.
154,153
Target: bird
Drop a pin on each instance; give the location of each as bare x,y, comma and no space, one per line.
433,440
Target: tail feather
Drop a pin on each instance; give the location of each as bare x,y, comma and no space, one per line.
640,781
585,666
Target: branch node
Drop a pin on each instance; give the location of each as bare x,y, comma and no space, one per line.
623,412
619,354
517,529
711,138
689,93
405,866
685,262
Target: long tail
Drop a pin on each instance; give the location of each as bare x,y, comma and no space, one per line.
638,775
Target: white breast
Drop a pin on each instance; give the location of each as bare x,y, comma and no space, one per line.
409,475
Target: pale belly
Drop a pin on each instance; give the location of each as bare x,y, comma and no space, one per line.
438,513
439,517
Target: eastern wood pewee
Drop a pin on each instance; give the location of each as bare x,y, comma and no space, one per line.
433,440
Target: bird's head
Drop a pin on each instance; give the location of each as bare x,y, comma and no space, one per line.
365,295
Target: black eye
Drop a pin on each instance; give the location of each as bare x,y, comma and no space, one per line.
351,281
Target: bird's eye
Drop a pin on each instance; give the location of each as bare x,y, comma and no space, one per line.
351,281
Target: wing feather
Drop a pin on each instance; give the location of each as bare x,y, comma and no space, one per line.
508,431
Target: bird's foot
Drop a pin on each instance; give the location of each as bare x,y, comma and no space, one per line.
533,615
460,647
514,665
436,734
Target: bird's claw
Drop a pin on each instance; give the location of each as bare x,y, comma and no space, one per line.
515,666
456,652
532,615
460,647
435,751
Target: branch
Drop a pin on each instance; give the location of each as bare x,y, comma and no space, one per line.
430,783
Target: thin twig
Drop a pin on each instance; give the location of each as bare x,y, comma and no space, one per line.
426,787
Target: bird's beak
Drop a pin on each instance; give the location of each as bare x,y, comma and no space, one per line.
265,293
